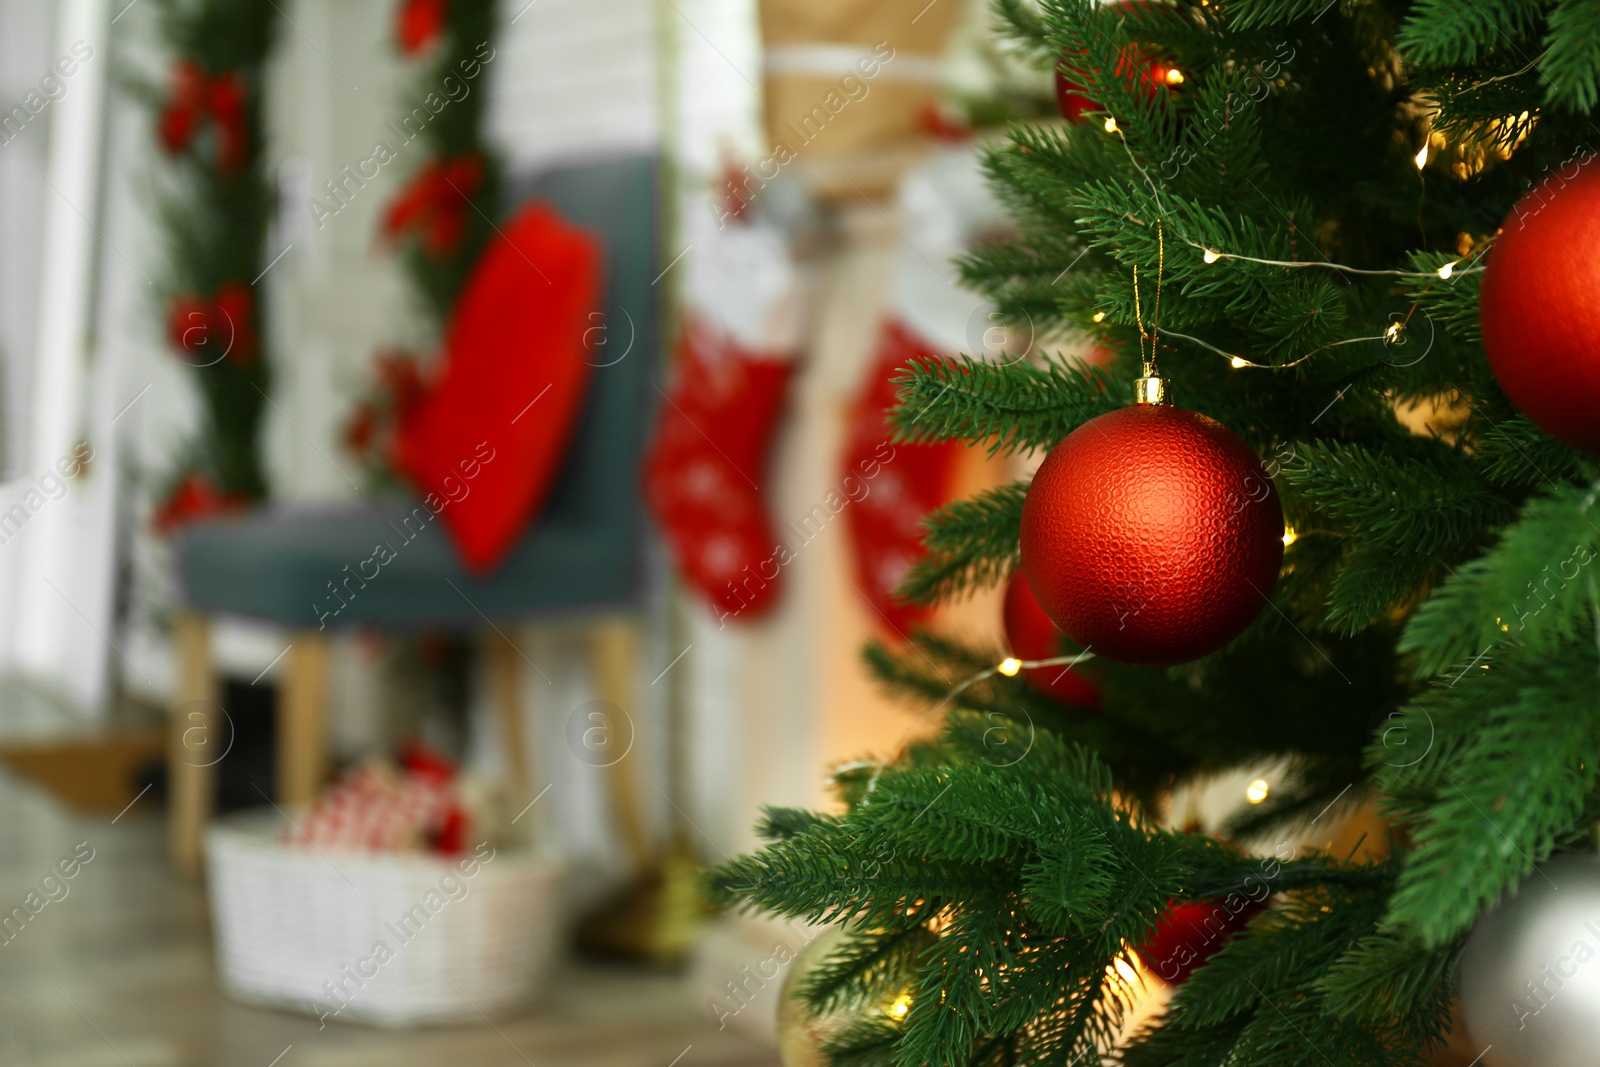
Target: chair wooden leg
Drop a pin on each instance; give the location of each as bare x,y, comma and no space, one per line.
505,689
303,720
194,743
614,648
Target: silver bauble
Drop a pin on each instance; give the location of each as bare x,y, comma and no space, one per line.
1530,973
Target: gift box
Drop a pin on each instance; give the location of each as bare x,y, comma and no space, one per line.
847,84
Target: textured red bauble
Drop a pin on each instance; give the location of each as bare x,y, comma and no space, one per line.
1540,308
1032,636
1188,934
1151,535
1132,67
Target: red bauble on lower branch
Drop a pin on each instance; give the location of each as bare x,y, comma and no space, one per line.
1032,636
1540,307
1152,535
1188,934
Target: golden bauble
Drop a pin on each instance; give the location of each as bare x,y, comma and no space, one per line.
801,1035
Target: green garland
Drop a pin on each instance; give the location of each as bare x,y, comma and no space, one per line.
215,212
454,134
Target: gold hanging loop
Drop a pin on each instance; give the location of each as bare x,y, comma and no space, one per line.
1151,388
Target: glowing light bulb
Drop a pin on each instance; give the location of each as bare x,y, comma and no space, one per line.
1422,157
1256,791
1125,970
1237,361
1210,256
1099,316
1447,270
1289,536
1111,125
1174,76
1392,334
1010,666
901,1005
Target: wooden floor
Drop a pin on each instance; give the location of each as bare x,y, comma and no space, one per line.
118,972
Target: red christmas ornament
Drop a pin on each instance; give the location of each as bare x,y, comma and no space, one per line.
436,203
194,497
1131,66
1151,535
418,23
361,429
1540,308
425,761
1188,934
1074,105
216,328
1032,636
450,838
400,379
198,98
940,126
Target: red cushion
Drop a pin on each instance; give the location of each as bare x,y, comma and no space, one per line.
484,444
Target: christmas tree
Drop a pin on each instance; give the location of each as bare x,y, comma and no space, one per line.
1288,210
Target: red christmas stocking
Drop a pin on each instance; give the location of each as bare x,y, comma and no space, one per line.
904,483
944,206
707,464
706,472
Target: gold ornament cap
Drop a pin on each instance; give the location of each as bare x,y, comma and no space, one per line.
1152,390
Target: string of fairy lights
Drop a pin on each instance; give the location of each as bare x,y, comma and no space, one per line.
1009,667
1209,255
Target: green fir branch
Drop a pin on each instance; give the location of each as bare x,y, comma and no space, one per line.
1405,513
1011,407
1444,33
1571,64
1518,777
969,543
1535,588
1393,984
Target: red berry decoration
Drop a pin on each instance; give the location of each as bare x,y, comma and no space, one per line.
198,99
194,497
418,23
1151,535
1540,308
1188,934
217,328
1032,636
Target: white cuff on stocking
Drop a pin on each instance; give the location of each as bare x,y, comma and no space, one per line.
945,207
742,278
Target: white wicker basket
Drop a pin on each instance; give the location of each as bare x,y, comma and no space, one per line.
301,929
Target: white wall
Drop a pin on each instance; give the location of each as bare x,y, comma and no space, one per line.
56,571
576,79
27,34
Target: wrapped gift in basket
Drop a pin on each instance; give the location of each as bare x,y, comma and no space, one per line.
397,900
